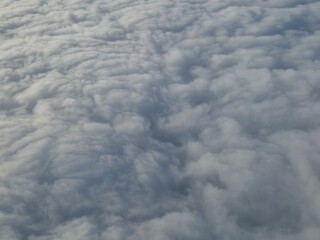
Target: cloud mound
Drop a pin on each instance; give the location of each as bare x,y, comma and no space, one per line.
164,120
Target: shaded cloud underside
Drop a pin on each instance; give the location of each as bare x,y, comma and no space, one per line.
163,120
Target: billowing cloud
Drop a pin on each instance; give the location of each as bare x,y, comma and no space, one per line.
165,120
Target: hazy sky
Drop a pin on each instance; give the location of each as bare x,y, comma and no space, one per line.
162,120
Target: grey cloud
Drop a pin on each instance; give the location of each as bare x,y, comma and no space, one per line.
159,120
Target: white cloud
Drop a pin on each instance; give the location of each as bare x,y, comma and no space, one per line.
159,120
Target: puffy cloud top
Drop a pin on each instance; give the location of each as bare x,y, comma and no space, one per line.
165,120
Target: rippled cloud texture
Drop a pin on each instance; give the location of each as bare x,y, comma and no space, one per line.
164,120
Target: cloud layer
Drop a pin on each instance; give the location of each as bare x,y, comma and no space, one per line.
165,120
